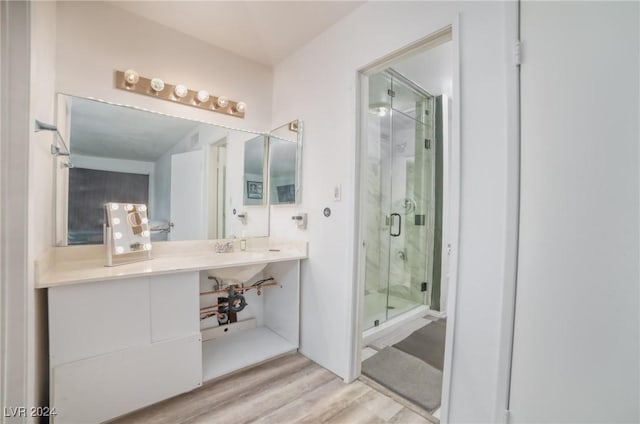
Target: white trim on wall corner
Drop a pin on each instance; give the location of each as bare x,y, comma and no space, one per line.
452,223
14,158
2,283
512,38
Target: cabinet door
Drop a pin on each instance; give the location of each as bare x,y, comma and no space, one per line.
174,306
119,345
91,319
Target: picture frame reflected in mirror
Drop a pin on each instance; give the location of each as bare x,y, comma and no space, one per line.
254,189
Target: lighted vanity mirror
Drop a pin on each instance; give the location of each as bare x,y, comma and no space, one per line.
127,228
189,173
285,164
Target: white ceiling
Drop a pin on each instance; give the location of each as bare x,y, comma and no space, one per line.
104,130
263,31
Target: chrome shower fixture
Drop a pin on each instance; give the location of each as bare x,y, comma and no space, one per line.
55,148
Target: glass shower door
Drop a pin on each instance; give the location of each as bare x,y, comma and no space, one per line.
399,202
410,195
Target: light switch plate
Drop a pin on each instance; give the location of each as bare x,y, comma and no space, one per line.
337,193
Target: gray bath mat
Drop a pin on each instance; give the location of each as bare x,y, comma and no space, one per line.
426,343
407,376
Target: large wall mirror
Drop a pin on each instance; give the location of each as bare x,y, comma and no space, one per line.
285,164
195,177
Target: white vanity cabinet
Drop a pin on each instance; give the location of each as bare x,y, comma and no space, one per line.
119,345
122,338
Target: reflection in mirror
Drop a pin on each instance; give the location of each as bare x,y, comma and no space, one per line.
89,189
254,170
285,144
189,173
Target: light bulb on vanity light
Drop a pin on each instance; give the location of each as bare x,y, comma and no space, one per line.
181,91
241,107
131,77
202,96
222,101
157,84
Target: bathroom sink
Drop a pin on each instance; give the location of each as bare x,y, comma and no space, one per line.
240,273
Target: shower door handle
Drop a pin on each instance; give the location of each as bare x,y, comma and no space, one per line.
399,225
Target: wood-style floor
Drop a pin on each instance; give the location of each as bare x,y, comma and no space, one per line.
290,389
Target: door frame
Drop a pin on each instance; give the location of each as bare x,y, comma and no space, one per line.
449,33
18,371
212,187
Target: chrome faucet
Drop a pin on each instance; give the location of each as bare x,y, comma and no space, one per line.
223,247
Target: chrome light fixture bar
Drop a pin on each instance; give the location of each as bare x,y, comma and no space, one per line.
129,80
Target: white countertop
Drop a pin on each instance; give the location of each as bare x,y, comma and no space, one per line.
82,264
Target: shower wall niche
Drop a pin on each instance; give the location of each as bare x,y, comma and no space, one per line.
401,208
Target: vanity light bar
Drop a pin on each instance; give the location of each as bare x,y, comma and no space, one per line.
154,87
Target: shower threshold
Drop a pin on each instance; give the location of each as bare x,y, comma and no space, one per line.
392,324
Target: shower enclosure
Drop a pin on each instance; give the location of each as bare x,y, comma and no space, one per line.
400,209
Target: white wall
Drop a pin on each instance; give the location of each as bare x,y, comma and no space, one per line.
94,39
318,85
576,353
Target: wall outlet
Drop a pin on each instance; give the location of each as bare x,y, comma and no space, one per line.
337,193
